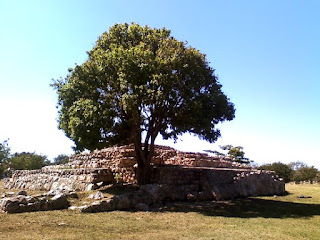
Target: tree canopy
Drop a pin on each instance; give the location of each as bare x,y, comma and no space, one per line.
139,82
303,172
294,171
282,170
19,161
28,161
61,159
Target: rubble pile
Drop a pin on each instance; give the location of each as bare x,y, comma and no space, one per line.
175,176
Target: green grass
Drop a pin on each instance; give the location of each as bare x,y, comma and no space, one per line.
285,217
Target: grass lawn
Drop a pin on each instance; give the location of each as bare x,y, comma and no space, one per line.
285,217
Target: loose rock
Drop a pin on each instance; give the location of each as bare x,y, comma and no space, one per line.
22,192
59,202
98,195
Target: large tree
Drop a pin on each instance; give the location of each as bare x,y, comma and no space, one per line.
137,83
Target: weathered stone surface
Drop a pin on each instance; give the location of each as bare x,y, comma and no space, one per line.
73,195
86,209
124,156
155,191
98,195
22,192
90,187
59,201
22,203
176,176
108,205
73,208
53,178
7,194
9,205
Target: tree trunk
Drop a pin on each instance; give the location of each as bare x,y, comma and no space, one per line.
143,174
144,154
144,168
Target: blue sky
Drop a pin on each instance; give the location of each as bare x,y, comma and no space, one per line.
266,54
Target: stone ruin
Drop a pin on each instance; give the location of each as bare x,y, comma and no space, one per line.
176,176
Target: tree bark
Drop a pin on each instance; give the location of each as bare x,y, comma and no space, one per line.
144,164
143,174
144,153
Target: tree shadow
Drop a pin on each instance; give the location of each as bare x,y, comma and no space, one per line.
246,208
119,189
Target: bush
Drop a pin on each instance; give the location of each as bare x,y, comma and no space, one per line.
305,174
27,161
61,159
281,169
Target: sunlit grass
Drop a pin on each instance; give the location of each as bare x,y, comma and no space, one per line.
285,217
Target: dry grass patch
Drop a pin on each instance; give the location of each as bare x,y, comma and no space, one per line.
285,217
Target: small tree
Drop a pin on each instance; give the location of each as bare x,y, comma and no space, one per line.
137,83
4,157
234,153
27,161
281,169
61,159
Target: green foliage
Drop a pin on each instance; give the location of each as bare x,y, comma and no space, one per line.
294,171
4,151
281,169
297,165
138,78
4,157
61,159
27,161
305,173
235,153
139,81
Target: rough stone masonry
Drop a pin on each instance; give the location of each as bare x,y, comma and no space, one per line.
180,175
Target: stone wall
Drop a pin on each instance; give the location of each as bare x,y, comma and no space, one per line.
50,178
121,160
124,157
21,202
215,183
193,176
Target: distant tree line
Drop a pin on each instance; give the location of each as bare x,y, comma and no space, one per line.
294,171
24,160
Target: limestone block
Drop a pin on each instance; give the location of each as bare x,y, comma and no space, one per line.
9,205
59,201
98,195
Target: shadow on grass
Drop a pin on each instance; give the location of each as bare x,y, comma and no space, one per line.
241,208
247,208
118,189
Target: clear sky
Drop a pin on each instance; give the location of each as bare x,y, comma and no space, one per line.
266,54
